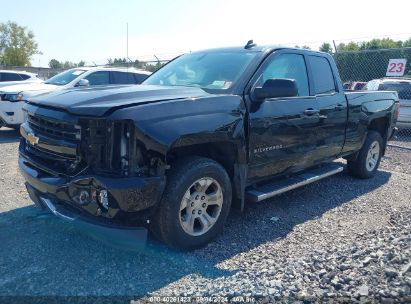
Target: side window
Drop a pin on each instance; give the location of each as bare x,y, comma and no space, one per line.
140,77
290,66
122,78
24,76
10,77
322,75
99,78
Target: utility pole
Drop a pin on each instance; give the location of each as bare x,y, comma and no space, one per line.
127,46
335,47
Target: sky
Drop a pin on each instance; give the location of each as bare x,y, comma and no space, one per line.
94,31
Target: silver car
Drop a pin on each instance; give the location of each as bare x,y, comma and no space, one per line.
403,87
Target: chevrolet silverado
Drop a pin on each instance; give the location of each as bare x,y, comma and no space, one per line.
209,128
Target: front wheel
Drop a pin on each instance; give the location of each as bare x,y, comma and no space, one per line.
369,157
195,204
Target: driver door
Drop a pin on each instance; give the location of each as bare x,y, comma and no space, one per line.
283,131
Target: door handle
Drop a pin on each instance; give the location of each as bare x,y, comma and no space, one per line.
339,107
310,112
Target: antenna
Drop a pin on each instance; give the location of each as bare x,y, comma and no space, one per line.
250,44
127,43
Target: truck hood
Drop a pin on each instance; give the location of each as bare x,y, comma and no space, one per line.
32,86
98,101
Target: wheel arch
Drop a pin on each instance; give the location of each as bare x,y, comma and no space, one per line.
380,125
228,154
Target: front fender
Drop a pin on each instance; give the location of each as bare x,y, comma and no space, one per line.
163,126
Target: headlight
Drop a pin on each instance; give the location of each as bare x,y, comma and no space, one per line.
13,97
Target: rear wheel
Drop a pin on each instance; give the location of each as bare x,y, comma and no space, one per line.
195,204
369,157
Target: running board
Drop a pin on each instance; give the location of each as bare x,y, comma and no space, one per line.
283,185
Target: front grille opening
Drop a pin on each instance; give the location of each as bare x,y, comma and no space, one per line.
116,147
54,129
107,146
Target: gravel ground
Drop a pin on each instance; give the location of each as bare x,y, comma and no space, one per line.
338,239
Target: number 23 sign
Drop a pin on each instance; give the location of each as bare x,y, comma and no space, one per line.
396,67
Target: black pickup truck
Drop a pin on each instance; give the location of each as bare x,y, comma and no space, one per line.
210,127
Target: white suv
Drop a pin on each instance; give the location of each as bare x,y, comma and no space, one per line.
403,87
8,77
12,97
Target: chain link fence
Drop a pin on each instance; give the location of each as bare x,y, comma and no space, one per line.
382,69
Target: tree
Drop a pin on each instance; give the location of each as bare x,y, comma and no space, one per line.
376,44
350,47
367,60
153,67
303,47
55,64
69,65
123,62
17,44
326,47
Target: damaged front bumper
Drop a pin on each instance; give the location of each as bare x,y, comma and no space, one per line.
97,200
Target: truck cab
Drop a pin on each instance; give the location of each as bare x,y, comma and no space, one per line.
209,128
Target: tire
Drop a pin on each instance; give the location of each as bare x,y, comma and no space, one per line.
369,157
197,185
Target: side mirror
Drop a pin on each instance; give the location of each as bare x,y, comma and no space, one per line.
83,83
278,87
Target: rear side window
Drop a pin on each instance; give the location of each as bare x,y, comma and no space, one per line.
122,78
10,77
99,78
140,77
291,66
24,76
322,75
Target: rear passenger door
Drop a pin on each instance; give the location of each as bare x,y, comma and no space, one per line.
140,77
332,105
122,78
99,78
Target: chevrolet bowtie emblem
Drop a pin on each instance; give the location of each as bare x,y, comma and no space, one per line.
32,139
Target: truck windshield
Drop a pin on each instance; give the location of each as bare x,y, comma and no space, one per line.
65,77
215,71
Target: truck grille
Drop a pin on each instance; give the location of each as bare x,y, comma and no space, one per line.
58,144
54,129
67,147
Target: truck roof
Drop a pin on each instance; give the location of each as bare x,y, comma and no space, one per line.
257,48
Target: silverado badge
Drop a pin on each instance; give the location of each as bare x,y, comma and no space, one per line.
32,139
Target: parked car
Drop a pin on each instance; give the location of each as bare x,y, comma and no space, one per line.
403,87
8,77
12,97
354,85
208,128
